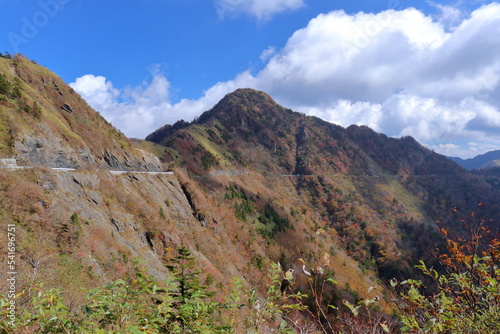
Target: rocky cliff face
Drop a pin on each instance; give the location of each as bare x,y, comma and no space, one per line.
48,124
85,227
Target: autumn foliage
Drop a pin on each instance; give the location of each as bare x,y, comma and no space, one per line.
465,297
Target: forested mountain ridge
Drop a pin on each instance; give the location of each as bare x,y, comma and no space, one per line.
254,184
248,130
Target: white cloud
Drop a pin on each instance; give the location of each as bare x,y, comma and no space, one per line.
356,57
96,90
346,112
261,9
268,53
449,149
469,150
146,106
450,16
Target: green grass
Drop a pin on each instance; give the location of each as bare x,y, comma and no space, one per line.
202,137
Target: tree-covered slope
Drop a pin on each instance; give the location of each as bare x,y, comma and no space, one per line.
376,197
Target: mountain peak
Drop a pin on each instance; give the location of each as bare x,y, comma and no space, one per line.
250,95
249,92
242,100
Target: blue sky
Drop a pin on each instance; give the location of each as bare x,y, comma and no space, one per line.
429,69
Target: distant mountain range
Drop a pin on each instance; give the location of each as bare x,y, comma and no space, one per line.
483,161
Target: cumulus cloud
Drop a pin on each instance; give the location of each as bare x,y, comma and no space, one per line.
267,53
96,90
261,9
145,106
356,57
449,16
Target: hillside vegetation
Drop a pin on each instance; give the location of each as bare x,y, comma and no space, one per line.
376,197
254,185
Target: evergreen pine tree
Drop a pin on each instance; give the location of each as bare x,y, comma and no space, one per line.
16,88
194,311
186,277
5,85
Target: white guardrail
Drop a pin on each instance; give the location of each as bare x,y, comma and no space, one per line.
12,164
